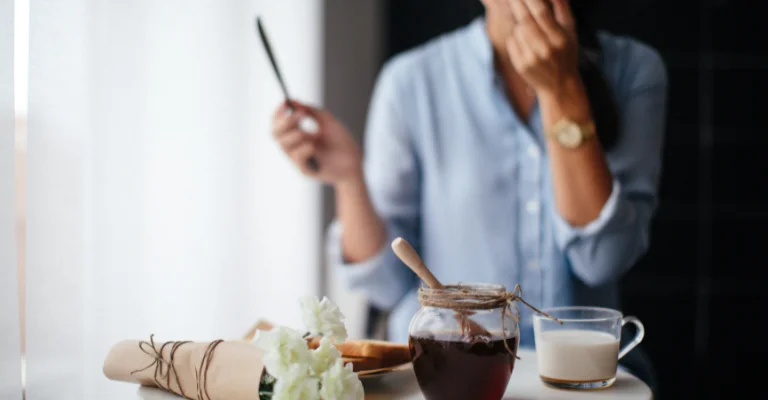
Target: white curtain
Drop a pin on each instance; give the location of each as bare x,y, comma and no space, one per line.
10,367
157,201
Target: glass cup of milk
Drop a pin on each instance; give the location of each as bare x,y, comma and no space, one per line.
584,351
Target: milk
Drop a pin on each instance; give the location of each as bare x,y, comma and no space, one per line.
577,355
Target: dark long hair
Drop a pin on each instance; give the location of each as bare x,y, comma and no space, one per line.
605,112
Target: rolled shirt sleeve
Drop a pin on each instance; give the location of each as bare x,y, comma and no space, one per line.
393,180
606,248
565,233
381,276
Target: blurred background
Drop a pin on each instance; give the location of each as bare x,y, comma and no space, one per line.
141,191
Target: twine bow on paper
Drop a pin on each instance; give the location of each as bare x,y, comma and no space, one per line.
165,368
465,298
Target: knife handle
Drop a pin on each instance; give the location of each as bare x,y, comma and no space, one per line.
313,164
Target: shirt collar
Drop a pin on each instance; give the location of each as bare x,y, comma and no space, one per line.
481,45
481,42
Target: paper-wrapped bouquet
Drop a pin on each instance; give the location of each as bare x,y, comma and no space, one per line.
272,363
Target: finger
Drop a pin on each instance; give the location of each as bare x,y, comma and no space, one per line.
524,54
520,12
286,123
280,110
301,154
499,8
315,118
279,123
515,52
543,14
292,139
532,38
308,125
527,30
310,110
563,15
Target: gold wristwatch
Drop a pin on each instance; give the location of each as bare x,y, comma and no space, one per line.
571,134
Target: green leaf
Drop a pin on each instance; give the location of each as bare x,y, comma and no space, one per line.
266,386
267,379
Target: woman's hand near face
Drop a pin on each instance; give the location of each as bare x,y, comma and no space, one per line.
543,47
336,151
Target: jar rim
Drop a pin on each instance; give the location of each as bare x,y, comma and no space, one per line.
478,285
487,291
601,314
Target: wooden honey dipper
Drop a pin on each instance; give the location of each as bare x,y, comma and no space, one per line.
408,255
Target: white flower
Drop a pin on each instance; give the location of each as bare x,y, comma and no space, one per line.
282,347
296,384
324,356
323,318
340,383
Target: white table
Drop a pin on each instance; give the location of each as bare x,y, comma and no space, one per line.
524,385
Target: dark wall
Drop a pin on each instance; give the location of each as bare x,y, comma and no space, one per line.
697,290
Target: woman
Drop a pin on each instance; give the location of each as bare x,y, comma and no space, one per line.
523,148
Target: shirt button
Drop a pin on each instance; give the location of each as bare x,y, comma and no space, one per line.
532,206
533,265
533,151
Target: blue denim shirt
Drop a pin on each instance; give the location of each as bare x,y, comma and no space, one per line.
451,168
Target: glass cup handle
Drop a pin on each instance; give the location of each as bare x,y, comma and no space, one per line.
638,336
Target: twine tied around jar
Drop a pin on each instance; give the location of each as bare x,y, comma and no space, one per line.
467,298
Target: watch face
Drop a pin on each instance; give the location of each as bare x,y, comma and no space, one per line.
570,136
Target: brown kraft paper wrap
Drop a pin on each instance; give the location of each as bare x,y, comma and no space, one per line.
199,371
